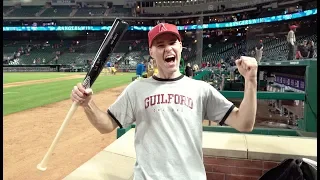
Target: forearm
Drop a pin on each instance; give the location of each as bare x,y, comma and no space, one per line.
299,54
291,41
99,119
248,107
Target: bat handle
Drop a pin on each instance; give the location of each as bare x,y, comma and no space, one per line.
43,164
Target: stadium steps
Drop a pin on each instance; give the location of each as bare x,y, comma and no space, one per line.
41,11
7,10
25,11
107,12
53,11
74,11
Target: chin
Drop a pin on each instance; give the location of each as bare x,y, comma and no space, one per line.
173,70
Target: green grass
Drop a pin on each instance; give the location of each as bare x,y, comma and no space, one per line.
21,98
28,76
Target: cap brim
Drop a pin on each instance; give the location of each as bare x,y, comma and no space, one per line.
164,32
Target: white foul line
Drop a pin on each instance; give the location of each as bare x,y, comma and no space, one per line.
10,92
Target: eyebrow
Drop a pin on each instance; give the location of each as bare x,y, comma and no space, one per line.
173,39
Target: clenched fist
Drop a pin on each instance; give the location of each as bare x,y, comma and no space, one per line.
247,67
81,95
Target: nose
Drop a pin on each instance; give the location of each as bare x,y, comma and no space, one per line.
168,48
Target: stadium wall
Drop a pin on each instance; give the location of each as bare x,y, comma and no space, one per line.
42,2
221,168
204,6
31,68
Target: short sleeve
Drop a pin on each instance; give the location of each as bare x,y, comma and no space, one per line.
217,107
121,111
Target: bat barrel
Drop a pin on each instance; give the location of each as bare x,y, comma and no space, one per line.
118,28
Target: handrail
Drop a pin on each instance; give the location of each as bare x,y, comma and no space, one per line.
266,95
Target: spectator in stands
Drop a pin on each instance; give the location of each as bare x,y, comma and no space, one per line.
253,53
188,70
258,51
195,68
218,65
203,65
291,40
223,65
310,49
232,59
302,50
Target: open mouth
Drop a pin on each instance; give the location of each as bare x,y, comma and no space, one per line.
170,58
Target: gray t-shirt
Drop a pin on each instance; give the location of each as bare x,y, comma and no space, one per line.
168,116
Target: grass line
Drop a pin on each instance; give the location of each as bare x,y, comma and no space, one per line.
10,77
30,96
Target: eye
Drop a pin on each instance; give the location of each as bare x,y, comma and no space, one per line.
172,42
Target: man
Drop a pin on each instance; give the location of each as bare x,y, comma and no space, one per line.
107,69
302,50
113,69
310,49
259,51
140,69
168,109
188,70
291,40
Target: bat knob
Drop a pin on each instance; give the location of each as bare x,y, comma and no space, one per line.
39,166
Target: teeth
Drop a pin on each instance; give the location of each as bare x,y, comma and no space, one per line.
171,56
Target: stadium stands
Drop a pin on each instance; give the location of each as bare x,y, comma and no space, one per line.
87,11
61,11
275,50
119,11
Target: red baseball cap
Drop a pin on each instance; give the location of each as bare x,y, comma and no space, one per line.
293,27
162,28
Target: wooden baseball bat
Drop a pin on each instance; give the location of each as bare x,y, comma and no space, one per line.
118,28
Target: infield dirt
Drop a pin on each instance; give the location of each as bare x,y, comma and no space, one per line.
28,135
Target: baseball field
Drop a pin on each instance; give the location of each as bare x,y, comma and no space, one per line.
35,105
